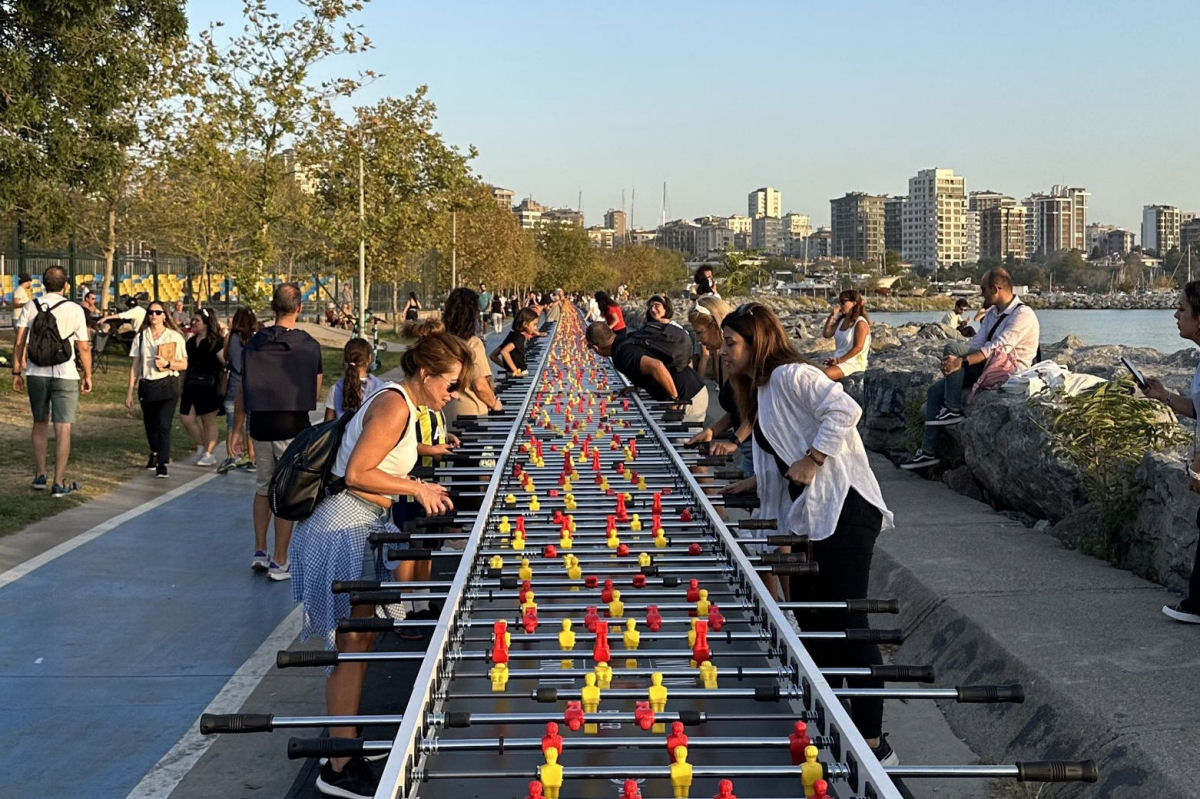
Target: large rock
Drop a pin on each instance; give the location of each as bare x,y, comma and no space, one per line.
1162,542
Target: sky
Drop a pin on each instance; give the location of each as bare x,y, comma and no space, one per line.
715,99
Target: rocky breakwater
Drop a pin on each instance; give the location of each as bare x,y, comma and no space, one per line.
1001,452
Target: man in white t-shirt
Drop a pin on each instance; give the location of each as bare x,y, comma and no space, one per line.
53,389
135,314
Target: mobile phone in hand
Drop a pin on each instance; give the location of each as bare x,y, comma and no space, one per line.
1138,377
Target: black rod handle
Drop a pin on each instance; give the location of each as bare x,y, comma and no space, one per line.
872,606
990,693
874,636
286,659
898,673
1058,771
211,723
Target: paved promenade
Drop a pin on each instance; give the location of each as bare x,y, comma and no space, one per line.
124,619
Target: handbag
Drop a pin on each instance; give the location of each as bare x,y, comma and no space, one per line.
160,390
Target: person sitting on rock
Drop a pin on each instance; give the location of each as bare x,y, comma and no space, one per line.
1009,328
960,318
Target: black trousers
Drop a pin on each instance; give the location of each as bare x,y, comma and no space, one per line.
844,560
157,417
1192,603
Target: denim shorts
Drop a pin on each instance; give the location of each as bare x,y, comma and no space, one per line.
53,398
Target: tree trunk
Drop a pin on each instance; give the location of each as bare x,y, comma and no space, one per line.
395,307
110,251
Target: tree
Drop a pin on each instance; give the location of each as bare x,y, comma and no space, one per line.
491,246
567,259
647,270
411,181
257,93
69,73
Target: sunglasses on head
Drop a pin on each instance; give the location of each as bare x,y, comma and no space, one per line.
745,309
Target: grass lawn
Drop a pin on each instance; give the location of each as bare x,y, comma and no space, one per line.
108,443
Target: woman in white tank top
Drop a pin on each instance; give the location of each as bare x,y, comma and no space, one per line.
378,450
850,330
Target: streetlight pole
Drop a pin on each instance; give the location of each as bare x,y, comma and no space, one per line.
453,250
362,248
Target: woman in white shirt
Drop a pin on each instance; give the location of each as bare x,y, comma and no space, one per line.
850,330
158,356
812,474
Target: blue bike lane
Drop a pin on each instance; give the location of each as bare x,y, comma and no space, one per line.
109,652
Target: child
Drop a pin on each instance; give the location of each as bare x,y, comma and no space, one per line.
510,354
348,393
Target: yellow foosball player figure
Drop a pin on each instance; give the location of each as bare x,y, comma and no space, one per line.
708,674
616,608
604,675
631,638
810,771
499,677
551,775
681,773
525,572
702,605
657,693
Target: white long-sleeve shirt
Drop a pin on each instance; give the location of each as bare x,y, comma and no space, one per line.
1017,333
800,409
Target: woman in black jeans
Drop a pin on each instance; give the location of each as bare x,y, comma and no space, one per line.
158,356
812,474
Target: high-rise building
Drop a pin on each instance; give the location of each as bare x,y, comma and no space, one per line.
714,238
529,213
1118,242
1002,230
820,244
983,200
1160,228
857,223
796,230
618,223
739,224
934,232
679,234
1189,234
893,224
767,235
971,220
503,197
765,202
1056,221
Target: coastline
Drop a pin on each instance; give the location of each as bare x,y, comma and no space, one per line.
1062,301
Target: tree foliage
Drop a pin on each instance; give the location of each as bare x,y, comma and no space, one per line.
70,73
567,259
646,270
492,248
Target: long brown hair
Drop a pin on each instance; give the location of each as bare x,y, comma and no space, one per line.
167,320
859,309
357,357
769,348
212,328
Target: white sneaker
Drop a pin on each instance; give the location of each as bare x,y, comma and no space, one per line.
197,455
277,572
207,459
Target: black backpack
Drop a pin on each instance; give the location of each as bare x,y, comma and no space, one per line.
668,343
304,473
46,346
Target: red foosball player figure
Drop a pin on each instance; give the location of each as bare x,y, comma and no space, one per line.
810,770
643,715
654,619
715,620
629,790
798,741
700,650
693,591
820,790
552,739
500,639
590,618
551,774
677,738
601,652
573,715
530,620
607,591
681,773
535,790
725,790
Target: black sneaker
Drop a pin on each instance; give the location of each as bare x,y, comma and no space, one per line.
64,489
226,465
920,460
39,483
151,462
1181,612
161,471
884,752
945,416
355,781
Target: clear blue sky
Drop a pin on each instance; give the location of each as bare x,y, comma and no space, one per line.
816,99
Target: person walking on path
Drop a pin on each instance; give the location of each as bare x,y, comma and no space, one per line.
812,474
22,295
201,397
377,453
281,384
484,301
1009,329
157,356
54,388
1187,321
241,329
850,330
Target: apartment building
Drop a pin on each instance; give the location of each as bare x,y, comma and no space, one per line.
1002,230
857,222
893,224
1160,228
934,231
766,201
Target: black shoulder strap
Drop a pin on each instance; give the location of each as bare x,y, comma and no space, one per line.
794,489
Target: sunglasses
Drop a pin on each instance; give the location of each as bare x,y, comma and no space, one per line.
451,386
156,313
